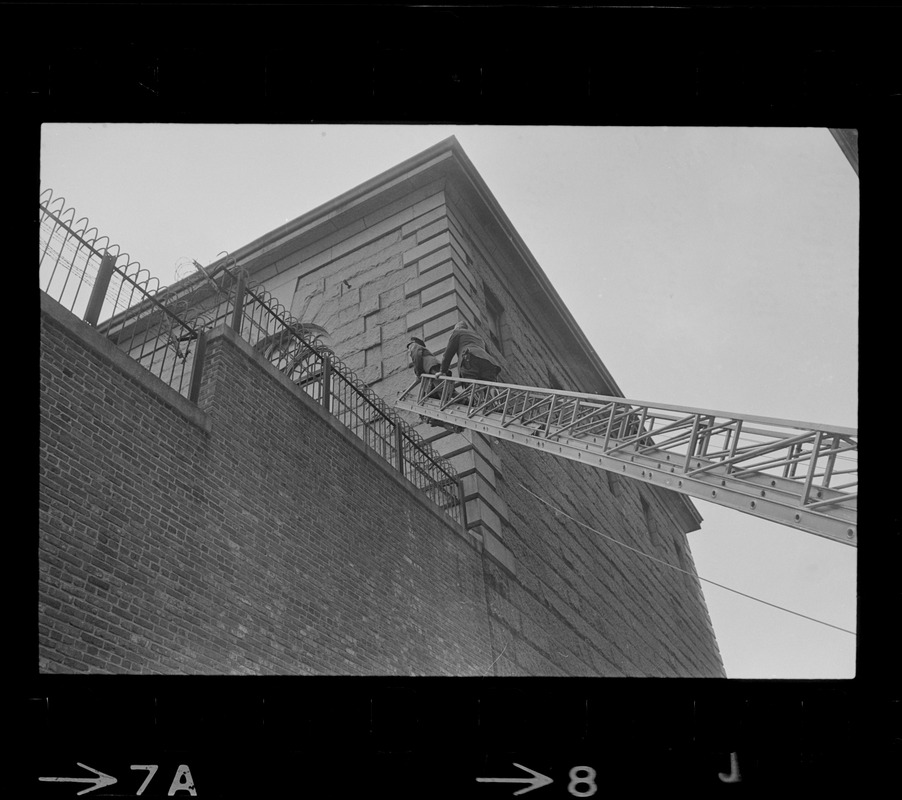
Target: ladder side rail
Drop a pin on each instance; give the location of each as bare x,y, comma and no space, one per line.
527,410
655,443
730,443
560,410
761,483
719,463
518,405
578,423
775,421
735,447
679,424
738,454
835,500
753,452
851,471
605,416
706,435
708,487
487,404
846,485
789,463
811,456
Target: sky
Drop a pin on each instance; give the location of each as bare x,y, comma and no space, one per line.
709,267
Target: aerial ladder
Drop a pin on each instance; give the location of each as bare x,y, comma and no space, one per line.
793,473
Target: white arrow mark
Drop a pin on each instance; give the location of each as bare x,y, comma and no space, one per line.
537,782
99,782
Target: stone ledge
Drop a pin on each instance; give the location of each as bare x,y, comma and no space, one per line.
430,311
476,486
427,247
479,513
417,223
438,290
440,326
424,281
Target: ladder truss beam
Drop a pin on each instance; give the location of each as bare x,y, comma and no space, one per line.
779,470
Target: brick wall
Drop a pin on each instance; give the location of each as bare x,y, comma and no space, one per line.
561,600
546,595
250,535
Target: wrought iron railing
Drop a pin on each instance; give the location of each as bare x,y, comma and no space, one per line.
87,274
290,346
163,328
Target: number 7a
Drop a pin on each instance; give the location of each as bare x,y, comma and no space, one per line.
182,782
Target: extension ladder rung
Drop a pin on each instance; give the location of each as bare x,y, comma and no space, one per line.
797,474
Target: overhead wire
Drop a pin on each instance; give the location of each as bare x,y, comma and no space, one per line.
679,569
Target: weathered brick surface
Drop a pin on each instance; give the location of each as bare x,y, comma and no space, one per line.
268,544
547,593
585,606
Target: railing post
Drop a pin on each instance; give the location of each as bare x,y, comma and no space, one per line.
399,448
98,293
327,384
238,312
197,367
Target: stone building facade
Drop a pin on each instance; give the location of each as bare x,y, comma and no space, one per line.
410,253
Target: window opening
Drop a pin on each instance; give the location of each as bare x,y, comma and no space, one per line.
650,521
681,555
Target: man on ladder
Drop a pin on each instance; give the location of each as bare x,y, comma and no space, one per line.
474,360
423,362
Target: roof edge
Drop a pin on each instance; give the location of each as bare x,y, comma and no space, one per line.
343,200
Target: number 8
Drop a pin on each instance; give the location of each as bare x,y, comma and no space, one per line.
580,775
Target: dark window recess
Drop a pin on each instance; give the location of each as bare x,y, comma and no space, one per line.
650,522
494,314
613,483
681,555
553,382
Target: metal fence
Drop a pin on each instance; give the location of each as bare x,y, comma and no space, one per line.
87,274
164,330
290,346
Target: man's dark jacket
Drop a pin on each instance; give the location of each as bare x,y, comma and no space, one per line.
460,342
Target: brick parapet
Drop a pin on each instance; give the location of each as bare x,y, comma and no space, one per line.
261,541
53,313
312,407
